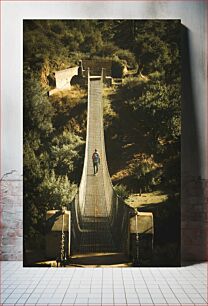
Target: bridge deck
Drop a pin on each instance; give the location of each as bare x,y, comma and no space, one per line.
95,194
97,234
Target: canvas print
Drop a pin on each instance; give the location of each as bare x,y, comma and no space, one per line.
102,128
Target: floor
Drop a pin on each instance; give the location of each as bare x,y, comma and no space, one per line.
97,286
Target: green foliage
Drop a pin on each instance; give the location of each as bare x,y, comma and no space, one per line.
108,49
122,191
154,53
147,172
32,164
92,43
50,158
161,104
38,112
150,105
157,106
64,152
128,57
108,112
131,89
117,68
142,117
57,191
157,45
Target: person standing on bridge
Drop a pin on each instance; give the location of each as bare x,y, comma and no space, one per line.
95,161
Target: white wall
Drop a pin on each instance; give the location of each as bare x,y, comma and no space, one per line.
63,77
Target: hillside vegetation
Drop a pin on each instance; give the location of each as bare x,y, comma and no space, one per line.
141,116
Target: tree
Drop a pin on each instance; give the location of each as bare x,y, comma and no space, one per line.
38,112
49,158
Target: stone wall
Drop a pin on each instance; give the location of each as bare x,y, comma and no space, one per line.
11,220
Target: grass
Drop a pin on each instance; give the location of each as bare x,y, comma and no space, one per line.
156,197
75,93
108,91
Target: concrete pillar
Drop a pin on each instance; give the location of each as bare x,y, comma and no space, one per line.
80,69
54,221
141,235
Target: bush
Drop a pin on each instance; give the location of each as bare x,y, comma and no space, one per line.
128,57
108,112
146,171
121,191
108,49
117,68
57,191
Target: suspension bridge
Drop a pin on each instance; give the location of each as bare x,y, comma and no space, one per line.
100,219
